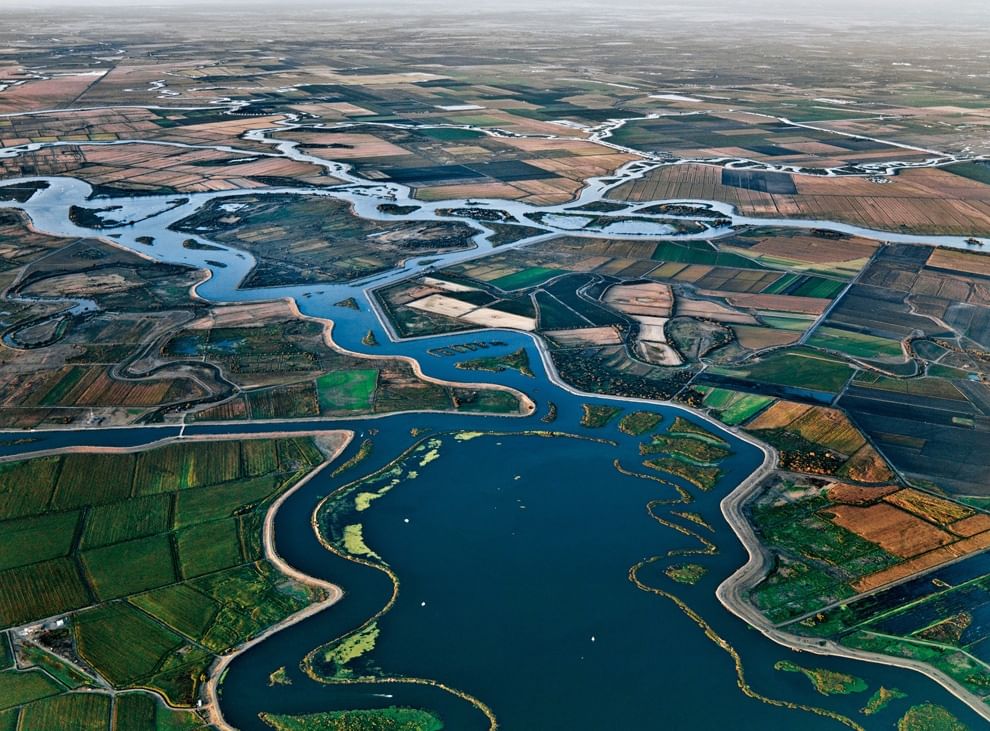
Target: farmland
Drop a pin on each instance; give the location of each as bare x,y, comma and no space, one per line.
862,365
165,564
833,542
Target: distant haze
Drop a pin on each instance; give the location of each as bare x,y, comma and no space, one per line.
935,11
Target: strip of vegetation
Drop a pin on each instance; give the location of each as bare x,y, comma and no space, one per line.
640,422
364,451
516,361
826,682
594,416
383,719
704,478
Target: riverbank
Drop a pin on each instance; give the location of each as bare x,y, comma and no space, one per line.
732,593
332,444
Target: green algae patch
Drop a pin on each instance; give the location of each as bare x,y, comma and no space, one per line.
354,542
430,451
466,436
335,659
881,699
826,682
379,719
929,717
689,573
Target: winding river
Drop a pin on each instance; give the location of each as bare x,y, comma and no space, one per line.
513,550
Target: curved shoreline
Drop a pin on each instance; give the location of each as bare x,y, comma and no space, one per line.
334,592
731,593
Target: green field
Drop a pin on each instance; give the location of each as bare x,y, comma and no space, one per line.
127,568
26,487
797,368
857,345
40,590
347,390
701,253
207,547
123,642
734,407
526,278
93,479
72,712
55,666
173,570
128,519
37,538
19,687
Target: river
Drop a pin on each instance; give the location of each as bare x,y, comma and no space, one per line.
514,591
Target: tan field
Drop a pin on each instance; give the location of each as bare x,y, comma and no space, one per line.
487,317
651,299
713,311
894,530
441,305
840,492
929,200
586,336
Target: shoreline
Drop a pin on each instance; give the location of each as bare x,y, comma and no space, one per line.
731,594
335,593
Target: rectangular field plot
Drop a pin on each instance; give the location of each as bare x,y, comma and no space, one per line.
186,465
127,519
18,687
798,368
84,711
180,607
123,643
127,568
220,501
208,547
41,590
347,390
37,538
26,487
93,479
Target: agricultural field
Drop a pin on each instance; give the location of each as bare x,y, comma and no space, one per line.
443,163
923,201
819,440
833,541
163,562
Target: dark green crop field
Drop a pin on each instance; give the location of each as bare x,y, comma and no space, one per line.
157,559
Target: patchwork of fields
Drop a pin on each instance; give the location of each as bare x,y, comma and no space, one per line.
136,570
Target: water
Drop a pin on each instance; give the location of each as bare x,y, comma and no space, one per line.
513,595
